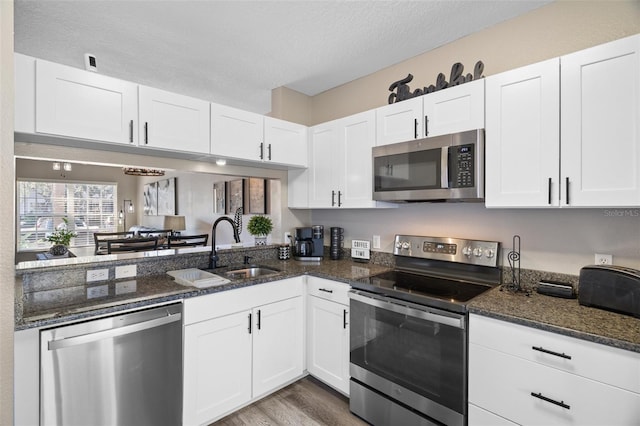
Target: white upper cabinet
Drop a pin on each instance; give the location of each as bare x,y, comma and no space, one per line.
236,133
522,136
172,121
340,173
81,104
600,136
249,136
451,110
455,109
285,142
399,122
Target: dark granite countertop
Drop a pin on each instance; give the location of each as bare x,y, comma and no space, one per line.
563,316
77,302
71,303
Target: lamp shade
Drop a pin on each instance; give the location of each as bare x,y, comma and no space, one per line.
175,223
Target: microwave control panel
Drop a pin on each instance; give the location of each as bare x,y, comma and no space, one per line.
461,166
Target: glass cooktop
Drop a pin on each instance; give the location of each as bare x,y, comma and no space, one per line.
422,288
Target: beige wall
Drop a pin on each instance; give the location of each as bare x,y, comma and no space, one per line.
552,30
6,212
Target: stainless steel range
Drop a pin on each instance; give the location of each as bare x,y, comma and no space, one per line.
408,344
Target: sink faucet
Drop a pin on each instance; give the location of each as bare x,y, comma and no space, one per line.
213,259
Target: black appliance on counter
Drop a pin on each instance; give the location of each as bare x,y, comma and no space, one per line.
614,288
308,244
408,331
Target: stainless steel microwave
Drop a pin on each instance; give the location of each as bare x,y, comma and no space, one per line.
439,168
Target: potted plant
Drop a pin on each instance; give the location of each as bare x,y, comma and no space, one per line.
260,226
61,238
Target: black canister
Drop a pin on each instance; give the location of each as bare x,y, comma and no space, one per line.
337,242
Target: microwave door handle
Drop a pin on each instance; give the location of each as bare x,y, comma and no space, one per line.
444,167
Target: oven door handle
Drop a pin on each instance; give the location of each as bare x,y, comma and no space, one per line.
450,319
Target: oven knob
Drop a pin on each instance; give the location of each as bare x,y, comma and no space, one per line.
477,252
489,253
406,245
466,251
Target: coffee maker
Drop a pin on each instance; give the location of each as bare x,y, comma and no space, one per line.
309,243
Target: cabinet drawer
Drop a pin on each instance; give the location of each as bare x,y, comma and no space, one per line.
328,289
215,305
529,393
605,364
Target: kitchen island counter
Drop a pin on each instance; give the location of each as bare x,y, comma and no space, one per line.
562,316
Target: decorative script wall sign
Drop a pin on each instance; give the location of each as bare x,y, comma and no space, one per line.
457,76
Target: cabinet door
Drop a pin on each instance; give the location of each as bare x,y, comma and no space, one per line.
328,342
285,142
399,122
277,344
172,121
83,104
236,133
323,157
217,367
522,137
355,172
455,109
601,125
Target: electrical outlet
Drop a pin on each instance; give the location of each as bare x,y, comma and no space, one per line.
97,275
604,259
287,237
376,241
126,271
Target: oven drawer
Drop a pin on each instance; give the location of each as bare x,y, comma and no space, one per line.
328,289
605,364
529,393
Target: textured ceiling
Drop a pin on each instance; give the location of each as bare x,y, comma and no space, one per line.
235,52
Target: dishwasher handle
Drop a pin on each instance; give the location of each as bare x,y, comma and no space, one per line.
113,332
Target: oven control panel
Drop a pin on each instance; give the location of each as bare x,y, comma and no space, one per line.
474,252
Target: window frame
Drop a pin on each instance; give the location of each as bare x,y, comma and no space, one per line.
84,222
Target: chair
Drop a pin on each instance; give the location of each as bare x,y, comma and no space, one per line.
177,241
100,239
162,234
118,245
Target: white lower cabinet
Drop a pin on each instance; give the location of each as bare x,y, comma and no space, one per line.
240,345
328,332
534,377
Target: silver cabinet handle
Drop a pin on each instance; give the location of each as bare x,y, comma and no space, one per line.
261,150
269,149
333,198
112,332
131,131
426,125
567,189
549,190
146,133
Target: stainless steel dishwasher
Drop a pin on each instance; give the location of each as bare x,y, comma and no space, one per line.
120,370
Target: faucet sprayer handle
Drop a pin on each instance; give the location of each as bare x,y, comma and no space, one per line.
246,260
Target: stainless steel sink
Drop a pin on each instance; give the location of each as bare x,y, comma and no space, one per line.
250,272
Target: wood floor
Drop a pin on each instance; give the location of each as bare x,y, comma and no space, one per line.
305,402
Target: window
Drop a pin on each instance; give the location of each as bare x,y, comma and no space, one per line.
88,207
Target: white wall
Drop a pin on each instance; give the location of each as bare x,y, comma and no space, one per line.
194,201
558,240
